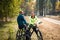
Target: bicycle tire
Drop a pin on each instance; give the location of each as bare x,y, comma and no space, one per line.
20,36
17,35
39,35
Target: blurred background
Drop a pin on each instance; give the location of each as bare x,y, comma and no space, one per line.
44,9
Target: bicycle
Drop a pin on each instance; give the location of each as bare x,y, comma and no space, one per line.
25,34
39,34
21,34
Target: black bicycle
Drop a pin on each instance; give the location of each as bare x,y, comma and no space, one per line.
21,33
38,33
25,34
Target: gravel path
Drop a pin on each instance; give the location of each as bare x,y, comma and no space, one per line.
52,20
50,30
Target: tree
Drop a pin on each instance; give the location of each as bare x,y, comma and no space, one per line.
9,8
53,3
41,6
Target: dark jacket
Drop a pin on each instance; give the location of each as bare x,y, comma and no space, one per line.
20,20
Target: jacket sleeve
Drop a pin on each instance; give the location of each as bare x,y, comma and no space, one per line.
30,20
36,19
24,21
18,21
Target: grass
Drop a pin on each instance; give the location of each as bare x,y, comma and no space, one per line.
8,30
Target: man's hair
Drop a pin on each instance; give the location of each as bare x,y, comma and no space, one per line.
20,11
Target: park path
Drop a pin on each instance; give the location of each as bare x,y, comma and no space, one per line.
49,29
52,20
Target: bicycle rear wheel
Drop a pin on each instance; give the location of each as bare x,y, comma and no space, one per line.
20,35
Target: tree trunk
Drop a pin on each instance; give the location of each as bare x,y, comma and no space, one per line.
6,19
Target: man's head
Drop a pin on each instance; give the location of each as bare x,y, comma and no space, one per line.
21,12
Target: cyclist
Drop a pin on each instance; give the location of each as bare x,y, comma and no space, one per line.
21,20
33,20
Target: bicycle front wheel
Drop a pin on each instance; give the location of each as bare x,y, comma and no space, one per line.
39,35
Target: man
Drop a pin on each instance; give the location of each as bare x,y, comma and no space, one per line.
21,21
